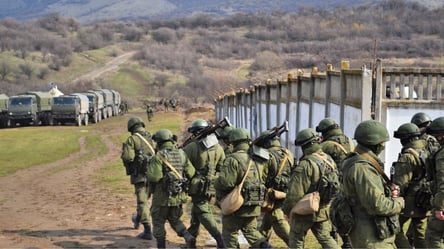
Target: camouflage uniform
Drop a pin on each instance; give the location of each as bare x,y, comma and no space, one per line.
167,206
410,174
275,218
231,174
149,112
304,179
435,225
375,211
133,153
207,162
337,145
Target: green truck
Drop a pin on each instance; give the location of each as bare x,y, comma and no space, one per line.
95,106
73,108
32,107
4,117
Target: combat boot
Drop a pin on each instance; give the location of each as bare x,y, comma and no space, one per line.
136,221
189,239
146,232
161,243
219,241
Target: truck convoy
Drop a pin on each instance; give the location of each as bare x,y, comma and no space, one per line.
30,108
43,108
71,108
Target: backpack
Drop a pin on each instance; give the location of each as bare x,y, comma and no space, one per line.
282,178
421,185
328,185
173,181
341,214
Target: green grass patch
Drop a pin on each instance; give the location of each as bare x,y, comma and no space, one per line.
28,146
113,176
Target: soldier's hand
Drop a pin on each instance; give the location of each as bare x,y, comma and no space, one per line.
439,215
395,190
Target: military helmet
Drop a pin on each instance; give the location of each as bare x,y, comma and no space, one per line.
197,125
407,130
421,119
327,124
134,121
306,136
238,134
371,132
163,135
225,132
436,127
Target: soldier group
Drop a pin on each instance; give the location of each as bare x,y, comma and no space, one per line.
403,210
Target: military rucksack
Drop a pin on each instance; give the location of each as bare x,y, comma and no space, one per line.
328,185
142,155
341,214
280,180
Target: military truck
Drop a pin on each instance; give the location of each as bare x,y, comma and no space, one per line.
117,101
95,106
32,107
108,102
4,117
72,108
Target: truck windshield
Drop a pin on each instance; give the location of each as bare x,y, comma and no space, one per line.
20,101
64,101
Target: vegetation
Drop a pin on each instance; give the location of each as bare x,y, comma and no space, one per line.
198,58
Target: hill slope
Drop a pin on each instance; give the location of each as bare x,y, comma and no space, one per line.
88,10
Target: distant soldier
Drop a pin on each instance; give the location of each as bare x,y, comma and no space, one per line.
149,112
166,104
435,225
135,155
410,175
422,120
173,103
207,156
168,171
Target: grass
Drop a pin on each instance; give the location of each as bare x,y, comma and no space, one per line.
29,146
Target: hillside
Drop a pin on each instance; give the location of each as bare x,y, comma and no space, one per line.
87,11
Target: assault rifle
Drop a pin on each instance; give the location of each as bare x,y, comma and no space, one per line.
261,143
267,136
206,131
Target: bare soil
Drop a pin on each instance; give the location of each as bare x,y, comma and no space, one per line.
42,207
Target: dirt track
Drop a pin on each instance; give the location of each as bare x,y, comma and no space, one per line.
45,207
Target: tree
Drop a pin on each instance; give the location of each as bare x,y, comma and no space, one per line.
5,69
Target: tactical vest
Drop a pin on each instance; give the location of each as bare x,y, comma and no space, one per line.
142,154
171,182
343,145
328,183
280,179
253,189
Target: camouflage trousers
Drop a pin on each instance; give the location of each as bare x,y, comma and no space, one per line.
202,213
275,219
143,213
162,214
435,232
231,225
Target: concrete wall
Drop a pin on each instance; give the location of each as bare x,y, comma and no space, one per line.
347,95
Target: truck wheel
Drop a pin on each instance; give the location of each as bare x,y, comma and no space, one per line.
85,121
100,116
96,118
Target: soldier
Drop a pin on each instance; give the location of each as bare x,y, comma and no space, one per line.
280,165
374,201
435,225
168,171
422,120
234,168
223,138
135,154
306,178
410,175
337,145
207,156
149,112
